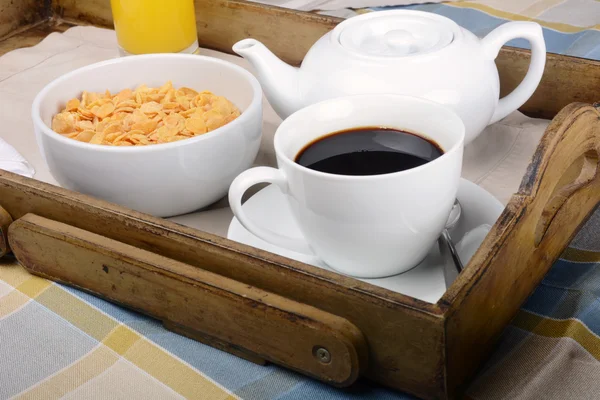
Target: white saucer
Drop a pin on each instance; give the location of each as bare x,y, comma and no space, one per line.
425,282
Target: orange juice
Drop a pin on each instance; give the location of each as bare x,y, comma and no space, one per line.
155,26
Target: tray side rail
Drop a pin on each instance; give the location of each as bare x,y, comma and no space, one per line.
559,192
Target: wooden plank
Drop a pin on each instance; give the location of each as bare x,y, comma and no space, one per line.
90,12
214,342
559,192
405,335
269,326
566,80
16,15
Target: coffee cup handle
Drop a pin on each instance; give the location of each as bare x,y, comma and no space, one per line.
245,181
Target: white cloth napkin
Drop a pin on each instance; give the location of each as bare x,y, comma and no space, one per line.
11,160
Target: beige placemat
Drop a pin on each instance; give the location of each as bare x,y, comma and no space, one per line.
496,160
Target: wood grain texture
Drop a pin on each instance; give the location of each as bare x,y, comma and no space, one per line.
18,14
290,34
90,12
566,80
509,263
180,294
214,342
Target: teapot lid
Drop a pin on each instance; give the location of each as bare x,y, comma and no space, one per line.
396,33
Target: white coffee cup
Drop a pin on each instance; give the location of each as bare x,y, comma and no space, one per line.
364,226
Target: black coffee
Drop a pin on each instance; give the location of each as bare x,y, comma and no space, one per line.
368,151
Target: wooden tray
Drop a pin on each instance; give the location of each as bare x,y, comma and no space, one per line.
269,308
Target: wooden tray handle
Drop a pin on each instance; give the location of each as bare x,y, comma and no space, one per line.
222,312
587,166
563,175
559,191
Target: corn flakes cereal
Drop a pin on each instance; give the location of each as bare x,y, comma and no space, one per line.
143,116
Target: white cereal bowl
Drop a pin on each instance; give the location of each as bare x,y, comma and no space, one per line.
163,179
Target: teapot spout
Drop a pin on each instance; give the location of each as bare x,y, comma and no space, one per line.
278,79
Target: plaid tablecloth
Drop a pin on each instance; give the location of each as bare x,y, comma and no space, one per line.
59,342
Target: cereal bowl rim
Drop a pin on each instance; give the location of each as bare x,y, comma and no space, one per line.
253,108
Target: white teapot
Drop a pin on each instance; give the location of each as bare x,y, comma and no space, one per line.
404,52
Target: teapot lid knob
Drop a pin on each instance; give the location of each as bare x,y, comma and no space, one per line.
401,41
396,33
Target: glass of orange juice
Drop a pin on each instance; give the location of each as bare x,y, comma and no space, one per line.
155,26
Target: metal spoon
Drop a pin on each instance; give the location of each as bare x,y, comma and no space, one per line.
445,236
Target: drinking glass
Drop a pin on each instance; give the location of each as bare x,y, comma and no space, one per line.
155,26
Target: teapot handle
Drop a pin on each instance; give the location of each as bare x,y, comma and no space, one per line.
492,44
